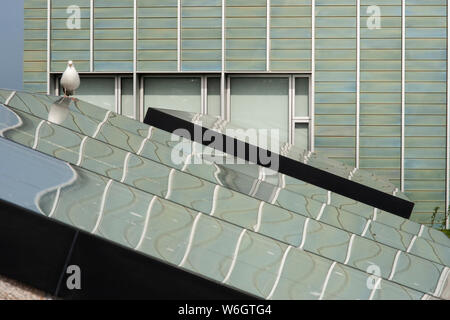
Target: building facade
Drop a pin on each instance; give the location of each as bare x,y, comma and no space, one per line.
361,81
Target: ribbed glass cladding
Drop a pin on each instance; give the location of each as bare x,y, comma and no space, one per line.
270,235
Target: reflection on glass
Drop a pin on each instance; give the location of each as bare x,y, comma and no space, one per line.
127,97
214,96
261,103
59,110
301,136
177,93
301,97
98,91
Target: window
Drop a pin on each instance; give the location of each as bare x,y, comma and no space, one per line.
98,91
302,114
260,103
126,97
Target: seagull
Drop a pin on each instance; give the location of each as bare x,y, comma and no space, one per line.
70,80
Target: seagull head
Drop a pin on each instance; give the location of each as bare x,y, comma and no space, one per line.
70,63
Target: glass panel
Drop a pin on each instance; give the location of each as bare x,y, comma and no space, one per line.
261,103
301,97
98,91
127,97
214,96
301,136
173,93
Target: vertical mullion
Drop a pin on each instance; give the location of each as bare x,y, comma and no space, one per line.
118,94
402,163
135,83
268,35
49,16
291,108
179,35
91,37
447,191
358,78
222,75
313,72
204,104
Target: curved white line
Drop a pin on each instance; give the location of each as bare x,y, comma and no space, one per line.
125,167
305,229
17,125
258,222
328,197
58,188
80,155
36,134
363,234
280,270
169,184
349,249
214,201
375,288
422,227
144,141
440,285
102,206
216,174
191,239
235,254
147,218
187,162
411,244
8,100
100,125
375,212
325,284
394,266
321,211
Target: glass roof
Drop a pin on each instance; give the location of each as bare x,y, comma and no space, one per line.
114,177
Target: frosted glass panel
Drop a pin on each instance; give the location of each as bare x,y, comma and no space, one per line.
301,136
214,96
261,103
98,91
183,94
127,97
301,97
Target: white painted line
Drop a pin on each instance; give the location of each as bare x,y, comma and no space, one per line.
80,155
375,288
191,239
411,244
442,279
8,100
169,184
349,249
324,287
280,270
125,167
100,125
375,212
144,141
422,227
214,201
102,206
36,134
147,218
305,231
258,223
17,125
319,216
366,228
328,197
236,252
394,266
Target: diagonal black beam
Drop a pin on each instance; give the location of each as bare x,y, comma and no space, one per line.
288,166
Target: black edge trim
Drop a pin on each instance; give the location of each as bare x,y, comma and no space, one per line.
290,167
35,250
